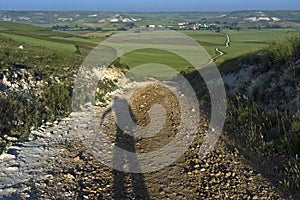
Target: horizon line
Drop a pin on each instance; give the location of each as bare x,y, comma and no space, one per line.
162,11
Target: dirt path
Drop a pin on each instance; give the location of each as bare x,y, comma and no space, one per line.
228,40
218,51
223,174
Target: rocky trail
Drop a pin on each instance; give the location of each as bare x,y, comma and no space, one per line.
34,159
56,163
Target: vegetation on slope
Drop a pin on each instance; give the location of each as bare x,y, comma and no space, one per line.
37,70
272,133
36,87
268,136
276,133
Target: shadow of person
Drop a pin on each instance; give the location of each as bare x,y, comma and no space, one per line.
125,140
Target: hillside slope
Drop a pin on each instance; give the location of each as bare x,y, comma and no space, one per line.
254,159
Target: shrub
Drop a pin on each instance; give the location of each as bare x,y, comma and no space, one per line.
285,52
292,176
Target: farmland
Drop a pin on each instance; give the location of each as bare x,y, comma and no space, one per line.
54,40
244,42
241,43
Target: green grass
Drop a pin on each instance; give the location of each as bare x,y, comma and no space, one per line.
54,40
242,43
79,39
53,100
210,40
285,52
145,56
207,39
39,42
17,27
246,41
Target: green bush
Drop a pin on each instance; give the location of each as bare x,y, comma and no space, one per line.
21,111
263,132
19,114
57,100
285,52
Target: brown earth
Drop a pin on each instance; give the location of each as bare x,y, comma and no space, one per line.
222,174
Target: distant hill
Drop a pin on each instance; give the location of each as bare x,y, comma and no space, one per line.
81,19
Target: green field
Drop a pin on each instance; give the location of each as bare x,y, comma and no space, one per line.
54,40
210,40
73,39
146,56
242,42
40,42
246,41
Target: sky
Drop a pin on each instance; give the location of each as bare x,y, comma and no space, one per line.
150,5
